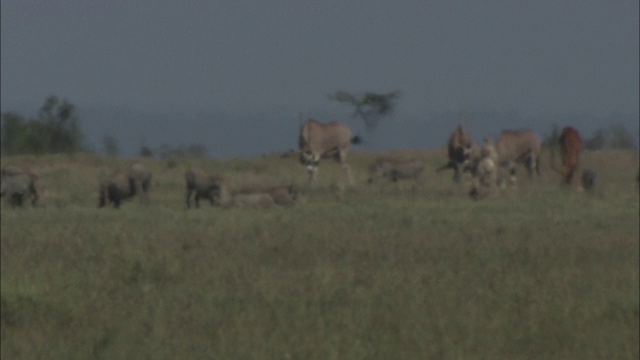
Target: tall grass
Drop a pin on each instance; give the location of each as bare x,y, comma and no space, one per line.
541,272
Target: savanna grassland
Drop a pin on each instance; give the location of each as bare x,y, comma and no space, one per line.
369,272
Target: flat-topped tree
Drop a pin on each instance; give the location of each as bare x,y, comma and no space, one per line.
371,107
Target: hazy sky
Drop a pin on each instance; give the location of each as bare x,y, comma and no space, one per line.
532,58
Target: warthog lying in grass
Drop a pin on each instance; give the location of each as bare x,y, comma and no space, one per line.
19,185
285,195
118,187
202,185
255,200
395,169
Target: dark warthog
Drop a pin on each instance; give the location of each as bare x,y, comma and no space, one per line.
519,146
396,169
203,185
19,185
118,187
319,140
459,149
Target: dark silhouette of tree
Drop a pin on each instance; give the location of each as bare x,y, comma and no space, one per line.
621,138
15,134
196,151
55,130
616,136
370,107
598,141
59,118
145,151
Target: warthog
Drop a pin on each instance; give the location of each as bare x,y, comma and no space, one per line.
203,185
519,146
118,187
485,172
319,140
459,150
19,184
396,169
285,195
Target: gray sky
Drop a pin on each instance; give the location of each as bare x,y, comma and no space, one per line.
191,68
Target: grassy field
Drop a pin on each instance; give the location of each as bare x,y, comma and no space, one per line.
386,272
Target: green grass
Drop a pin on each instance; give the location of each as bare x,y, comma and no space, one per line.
541,272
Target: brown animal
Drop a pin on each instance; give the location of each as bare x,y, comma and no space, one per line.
519,146
19,184
319,140
459,151
570,144
203,185
121,186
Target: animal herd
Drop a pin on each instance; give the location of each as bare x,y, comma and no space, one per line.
490,166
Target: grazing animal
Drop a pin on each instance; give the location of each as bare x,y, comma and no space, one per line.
19,184
459,151
115,189
519,146
121,186
570,144
395,169
319,140
485,172
203,185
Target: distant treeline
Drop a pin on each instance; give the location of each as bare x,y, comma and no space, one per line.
56,129
615,136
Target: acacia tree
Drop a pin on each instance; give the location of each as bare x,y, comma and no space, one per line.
370,107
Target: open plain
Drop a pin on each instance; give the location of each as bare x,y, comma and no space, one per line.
380,271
